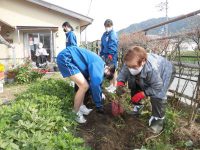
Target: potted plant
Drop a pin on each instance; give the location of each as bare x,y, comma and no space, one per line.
2,69
11,76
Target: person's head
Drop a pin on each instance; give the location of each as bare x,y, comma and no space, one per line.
108,24
109,72
135,58
40,45
67,27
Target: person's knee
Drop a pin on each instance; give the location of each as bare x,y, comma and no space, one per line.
84,86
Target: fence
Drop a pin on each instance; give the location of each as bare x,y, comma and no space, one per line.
186,85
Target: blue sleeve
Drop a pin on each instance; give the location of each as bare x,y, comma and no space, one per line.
96,72
71,39
113,43
102,47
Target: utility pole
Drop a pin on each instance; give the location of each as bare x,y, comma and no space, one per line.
166,15
86,27
163,6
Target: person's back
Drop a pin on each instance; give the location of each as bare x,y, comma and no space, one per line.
83,59
163,68
71,39
105,42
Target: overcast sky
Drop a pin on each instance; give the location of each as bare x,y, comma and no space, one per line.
124,12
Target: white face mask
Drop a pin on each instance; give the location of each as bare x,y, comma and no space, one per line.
68,29
108,29
135,71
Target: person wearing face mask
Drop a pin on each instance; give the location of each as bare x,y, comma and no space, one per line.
147,75
87,70
41,54
70,36
109,50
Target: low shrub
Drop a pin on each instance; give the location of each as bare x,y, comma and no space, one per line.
40,118
25,74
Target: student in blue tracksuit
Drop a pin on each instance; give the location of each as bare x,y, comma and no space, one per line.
87,70
70,36
109,50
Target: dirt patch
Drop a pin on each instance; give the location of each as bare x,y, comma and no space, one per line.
10,91
185,133
106,132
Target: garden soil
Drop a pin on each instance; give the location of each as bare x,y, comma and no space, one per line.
126,132
106,132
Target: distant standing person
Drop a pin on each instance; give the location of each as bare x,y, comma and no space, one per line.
109,51
70,36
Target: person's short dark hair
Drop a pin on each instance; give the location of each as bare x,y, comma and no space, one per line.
108,23
67,24
111,68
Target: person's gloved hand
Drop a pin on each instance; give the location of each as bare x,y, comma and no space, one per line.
110,57
103,96
120,88
138,97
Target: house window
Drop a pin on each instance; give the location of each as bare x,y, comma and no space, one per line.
32,40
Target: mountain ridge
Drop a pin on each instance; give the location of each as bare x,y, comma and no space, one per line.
173,28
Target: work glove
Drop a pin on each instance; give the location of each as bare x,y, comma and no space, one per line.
138,97
103,96
110,57
120,88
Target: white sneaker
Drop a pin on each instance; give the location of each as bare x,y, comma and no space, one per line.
80,118
109,87
112,90
84,110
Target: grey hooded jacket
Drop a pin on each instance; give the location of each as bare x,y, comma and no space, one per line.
154,78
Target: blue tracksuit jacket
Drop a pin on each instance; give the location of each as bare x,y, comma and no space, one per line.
109,45
71,39
73,60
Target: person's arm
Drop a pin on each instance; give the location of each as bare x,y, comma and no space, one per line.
123,74
102,47
112,44
155,83
96,72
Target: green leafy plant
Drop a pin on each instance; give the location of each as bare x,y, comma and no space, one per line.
25,74
40,118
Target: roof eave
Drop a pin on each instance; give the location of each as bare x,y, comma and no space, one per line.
62,10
